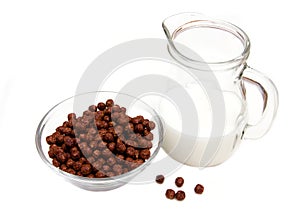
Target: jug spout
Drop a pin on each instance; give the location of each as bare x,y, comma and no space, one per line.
176,23
182,52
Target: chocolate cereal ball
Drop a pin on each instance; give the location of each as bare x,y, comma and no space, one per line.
180,195
160,179
170,194
179,181
199,189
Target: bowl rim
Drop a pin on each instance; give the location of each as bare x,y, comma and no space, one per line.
80,179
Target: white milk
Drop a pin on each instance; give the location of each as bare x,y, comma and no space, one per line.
204,149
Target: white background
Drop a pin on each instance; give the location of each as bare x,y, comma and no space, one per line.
45,46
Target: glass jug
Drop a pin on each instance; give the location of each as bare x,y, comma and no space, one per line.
216,51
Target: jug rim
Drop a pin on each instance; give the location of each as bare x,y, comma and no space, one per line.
190,20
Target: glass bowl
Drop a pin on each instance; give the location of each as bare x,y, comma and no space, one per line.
78,104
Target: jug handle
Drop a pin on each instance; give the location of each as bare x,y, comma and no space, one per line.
270,103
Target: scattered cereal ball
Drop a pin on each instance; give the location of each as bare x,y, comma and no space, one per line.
199,189
180,195
170,194
160,179
179,181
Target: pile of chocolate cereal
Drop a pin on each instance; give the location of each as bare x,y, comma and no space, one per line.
103,142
